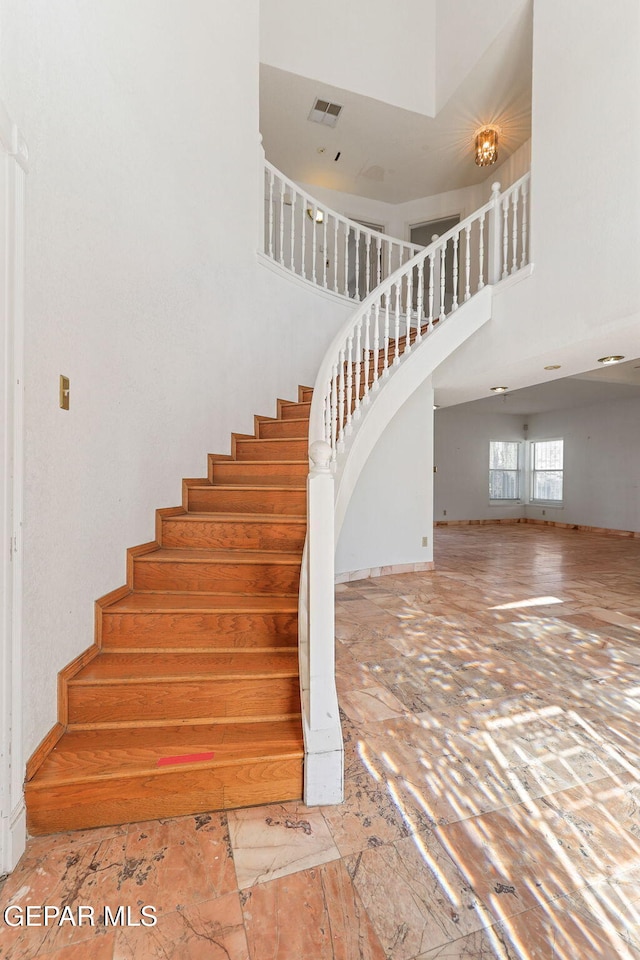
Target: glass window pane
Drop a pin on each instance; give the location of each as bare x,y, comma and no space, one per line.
547,455
547,485
503,455
503,485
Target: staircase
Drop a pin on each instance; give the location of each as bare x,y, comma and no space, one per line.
189,699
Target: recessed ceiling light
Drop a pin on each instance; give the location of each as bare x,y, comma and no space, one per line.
553,366
614,358
499,389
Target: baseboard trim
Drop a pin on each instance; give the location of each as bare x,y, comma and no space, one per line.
368,573
584,528
13,837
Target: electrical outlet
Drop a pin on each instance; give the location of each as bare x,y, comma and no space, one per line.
544,513
425,541
444,513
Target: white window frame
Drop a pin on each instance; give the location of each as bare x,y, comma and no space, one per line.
533,472
518,471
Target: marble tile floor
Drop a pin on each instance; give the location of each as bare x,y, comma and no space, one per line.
492,807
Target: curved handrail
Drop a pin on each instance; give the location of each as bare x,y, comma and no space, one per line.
365,340
323,246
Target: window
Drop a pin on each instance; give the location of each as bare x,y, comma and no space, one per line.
547,470
504,470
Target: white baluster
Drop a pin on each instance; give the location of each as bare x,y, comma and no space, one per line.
357,297
367,352
349,373
314,228
432,261
376,344
293,231
334,409
303,221
495,235
389,245
443,279
335,254
281,250
456,242
341,399
396,357
378,261
327,414
271,179
324,249
481,254
524,223
514,230
358,370
467,262
346,260
368,266
420,299
386,335
409,311
505,237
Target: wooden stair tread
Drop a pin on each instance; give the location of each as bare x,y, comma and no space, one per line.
270,518
219,555
207,485
138,602
85,755
159,666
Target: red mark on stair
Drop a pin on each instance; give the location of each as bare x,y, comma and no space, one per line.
184,758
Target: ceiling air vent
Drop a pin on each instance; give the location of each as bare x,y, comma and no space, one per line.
324,112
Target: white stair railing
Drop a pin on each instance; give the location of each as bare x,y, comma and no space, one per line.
390,323
321,246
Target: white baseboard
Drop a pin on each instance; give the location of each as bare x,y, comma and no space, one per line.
370,572
13,837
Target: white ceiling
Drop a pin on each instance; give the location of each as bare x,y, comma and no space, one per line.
619,382
393,154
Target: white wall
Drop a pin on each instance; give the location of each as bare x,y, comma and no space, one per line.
461,482
601,463
357,46
583,300
142,287
391,507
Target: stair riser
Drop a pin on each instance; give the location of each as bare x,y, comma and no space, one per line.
210,699
205,534
292,411
207,631
278,474
272,450
306,395
245,578
210,499
277,429
176,793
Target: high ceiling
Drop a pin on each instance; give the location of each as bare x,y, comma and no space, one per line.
618,382
393,154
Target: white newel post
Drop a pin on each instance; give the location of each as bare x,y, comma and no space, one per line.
320,494
324,750
495,235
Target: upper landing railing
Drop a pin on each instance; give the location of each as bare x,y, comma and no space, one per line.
317,244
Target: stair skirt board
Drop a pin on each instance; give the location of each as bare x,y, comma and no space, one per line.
189,698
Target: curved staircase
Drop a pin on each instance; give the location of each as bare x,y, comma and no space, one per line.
189,699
